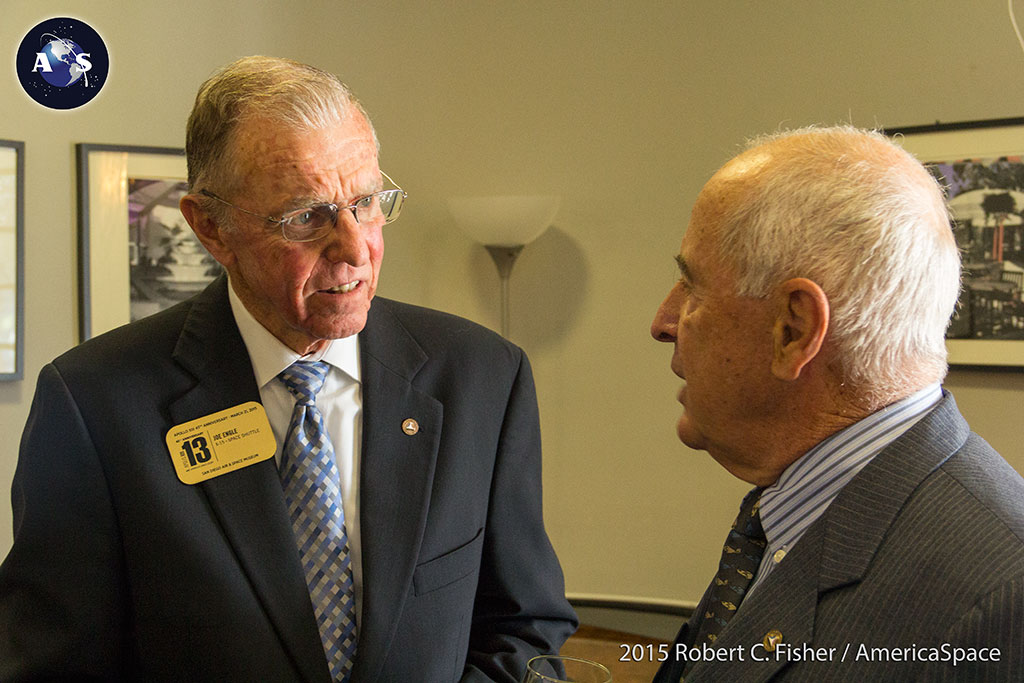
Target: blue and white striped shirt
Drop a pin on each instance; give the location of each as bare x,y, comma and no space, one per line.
807,487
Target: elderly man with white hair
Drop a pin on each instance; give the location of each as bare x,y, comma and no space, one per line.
883,540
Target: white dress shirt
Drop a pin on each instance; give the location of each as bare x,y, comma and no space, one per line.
340,401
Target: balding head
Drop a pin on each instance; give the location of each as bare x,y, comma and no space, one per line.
859,216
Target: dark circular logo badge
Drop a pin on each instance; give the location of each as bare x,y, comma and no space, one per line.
62,63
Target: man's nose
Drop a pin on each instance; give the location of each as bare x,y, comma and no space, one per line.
347,240
665,323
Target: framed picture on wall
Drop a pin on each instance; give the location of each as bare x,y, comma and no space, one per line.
137,255
981,165
12,259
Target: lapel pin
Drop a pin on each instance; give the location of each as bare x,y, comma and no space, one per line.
771,639
410,426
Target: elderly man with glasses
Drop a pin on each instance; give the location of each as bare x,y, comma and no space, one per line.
283,478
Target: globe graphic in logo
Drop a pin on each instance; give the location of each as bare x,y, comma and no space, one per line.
62,63
62,54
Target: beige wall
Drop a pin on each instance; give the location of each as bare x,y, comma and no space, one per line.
623,109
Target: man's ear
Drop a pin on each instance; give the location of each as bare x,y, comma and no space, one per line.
800,328
206,229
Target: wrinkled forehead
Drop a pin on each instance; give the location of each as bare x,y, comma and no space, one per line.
263,147
700,249
262,135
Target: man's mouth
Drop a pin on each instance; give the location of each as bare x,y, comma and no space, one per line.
343,289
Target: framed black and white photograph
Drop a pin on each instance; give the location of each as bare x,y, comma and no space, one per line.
137,255
981,166
12,259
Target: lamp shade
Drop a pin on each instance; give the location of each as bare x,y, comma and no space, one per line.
507,220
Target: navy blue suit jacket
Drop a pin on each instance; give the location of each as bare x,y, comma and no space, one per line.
120,571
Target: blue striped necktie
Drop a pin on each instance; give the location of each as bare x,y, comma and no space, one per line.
309,476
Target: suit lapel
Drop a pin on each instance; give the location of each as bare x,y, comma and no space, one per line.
863,512
397,471
837,550
248,503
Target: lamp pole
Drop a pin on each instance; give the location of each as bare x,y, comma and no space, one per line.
504,259
504,224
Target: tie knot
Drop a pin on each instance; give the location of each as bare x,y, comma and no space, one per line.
748,522
304,380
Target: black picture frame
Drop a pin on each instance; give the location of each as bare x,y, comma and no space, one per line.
12,260
979,162
104,251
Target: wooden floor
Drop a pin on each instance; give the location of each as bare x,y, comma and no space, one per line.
606,647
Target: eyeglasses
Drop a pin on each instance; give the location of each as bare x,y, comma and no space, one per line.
314,222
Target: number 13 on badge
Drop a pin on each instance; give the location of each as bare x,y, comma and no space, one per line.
221,442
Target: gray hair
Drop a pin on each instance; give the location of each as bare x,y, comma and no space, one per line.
862,218
292,94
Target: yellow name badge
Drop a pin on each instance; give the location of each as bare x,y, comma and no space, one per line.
221,442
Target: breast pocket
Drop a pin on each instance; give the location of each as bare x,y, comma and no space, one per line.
448,568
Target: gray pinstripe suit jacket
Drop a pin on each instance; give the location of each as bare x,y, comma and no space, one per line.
924,549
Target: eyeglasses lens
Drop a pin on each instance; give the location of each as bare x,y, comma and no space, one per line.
310,224
316,221
388,203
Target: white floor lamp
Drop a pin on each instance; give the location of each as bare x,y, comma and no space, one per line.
504,225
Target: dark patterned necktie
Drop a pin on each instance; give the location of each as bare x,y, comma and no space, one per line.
309,476
741,558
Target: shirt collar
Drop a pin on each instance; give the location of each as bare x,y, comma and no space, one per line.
269,356
808,486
